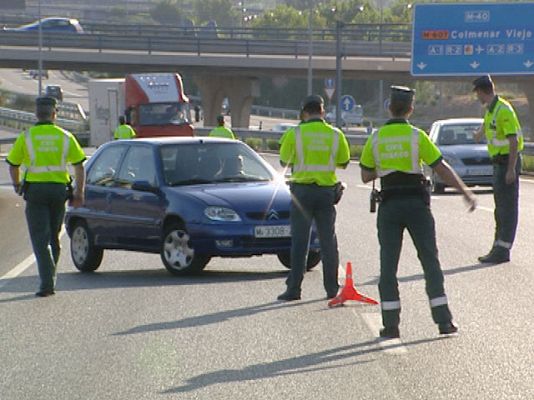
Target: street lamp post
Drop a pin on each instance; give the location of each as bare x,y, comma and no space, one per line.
40,56
339,77
310,52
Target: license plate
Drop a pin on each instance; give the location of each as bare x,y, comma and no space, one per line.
480,171
272,231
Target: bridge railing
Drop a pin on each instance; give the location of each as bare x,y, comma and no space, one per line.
365,40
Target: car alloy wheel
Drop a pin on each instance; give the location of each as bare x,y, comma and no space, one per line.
178,255
85,255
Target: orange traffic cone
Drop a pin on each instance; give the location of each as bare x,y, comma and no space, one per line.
349,292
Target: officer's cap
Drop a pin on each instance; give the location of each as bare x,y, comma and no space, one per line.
220,118
46,101
483,81
402,93
313,99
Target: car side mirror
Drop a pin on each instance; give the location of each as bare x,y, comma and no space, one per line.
144,186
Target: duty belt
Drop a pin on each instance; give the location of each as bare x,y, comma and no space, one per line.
406,191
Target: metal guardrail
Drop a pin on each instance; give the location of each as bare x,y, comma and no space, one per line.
295,44
20,120
27,119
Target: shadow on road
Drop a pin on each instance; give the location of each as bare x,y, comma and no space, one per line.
449,271
343,356
214,318
76,281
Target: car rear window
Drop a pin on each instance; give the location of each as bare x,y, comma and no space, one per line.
458,134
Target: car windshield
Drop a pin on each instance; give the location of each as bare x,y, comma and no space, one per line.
458,134
162,114
202,163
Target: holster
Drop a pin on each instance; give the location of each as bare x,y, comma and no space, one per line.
339,187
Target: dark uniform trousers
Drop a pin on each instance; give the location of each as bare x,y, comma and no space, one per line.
506,202
412,213
312,202
45,210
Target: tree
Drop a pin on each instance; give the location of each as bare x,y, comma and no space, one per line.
221,11
167,12
282,17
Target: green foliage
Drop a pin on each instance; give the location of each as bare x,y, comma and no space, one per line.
255,143
527,163
273,144
220,11
356,151
167,12
282,16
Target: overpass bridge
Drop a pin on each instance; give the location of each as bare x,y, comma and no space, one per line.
226,62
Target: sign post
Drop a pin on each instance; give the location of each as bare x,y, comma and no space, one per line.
329,87
473,39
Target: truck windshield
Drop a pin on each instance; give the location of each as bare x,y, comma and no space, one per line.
162,114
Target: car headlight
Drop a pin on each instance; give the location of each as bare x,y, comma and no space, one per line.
221,214
453,161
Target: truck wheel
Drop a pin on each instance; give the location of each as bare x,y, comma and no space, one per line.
85,255
178,255
314,257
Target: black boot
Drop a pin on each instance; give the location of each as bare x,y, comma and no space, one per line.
390,332
497,255
447,329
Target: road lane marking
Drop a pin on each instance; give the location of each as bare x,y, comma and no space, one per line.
389,346
22,266
19,269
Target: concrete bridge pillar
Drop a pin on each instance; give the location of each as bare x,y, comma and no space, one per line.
240,93
212,94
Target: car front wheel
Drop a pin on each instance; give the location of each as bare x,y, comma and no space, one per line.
314,257
85,255
438,188
178,255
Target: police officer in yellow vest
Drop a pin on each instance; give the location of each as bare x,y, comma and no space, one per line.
314,149
123,131
395,154
505,142
44,150
221,130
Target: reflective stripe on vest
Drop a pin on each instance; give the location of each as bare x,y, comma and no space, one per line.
302,167
438,301
416,169
48,168
390,305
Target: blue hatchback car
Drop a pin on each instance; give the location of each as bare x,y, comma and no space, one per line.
189,199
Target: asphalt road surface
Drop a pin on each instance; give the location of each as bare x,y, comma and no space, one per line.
132,331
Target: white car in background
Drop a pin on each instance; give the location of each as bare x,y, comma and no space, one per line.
282,127
348,118
469,159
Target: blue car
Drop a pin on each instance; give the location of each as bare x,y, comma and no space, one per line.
188,199
51,24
